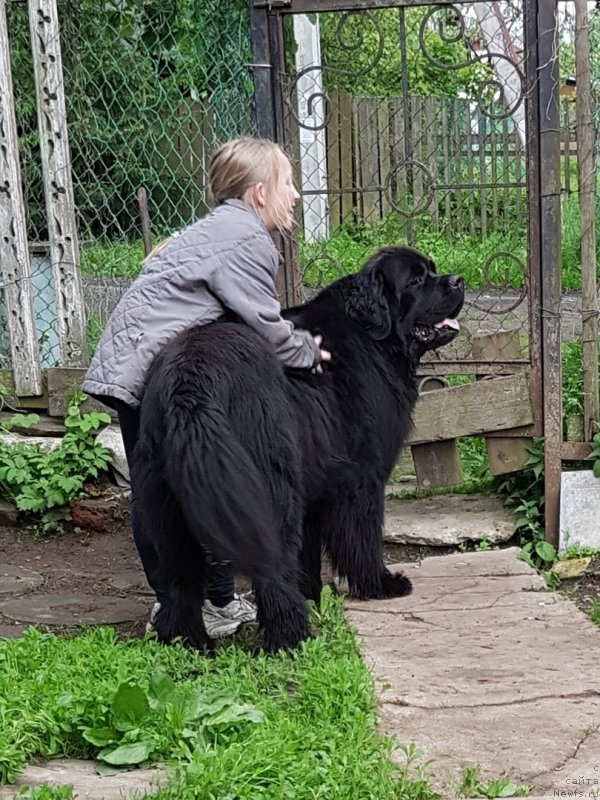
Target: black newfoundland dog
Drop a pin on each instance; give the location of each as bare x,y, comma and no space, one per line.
265,466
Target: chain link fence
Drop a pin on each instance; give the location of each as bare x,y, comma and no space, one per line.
150,89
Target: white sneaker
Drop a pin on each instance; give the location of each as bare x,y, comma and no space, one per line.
152,620
220,622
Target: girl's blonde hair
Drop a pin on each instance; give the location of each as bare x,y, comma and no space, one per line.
239,164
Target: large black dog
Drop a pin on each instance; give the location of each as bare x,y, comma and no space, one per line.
265,467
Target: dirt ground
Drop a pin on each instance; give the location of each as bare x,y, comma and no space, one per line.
80,563
87,569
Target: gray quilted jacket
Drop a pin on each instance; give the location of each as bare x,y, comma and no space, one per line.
227,260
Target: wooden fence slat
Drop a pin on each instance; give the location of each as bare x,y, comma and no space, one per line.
378,143
399,187
346,160
470,172
369,158
458,113
481,137
58,184
334,140
14,248
201,147
356,160
417,151
385,163
506,177
446,151
430,160
566,149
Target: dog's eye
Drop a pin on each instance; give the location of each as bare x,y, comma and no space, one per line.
416,282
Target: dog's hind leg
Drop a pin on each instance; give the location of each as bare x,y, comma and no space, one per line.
352,529
181,567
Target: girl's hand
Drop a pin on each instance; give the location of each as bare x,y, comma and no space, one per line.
325,356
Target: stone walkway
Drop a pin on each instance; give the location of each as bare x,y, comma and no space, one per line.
481,665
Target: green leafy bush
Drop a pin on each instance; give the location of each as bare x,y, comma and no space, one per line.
40,481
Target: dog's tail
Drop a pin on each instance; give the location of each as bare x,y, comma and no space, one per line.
225,501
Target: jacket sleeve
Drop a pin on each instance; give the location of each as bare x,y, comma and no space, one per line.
244,282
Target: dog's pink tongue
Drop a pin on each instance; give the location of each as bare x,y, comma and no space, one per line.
448,323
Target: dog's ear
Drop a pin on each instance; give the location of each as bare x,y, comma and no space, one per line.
366,302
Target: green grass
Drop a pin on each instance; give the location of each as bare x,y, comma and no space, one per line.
45,793
112,259
595,611
237,725
472,785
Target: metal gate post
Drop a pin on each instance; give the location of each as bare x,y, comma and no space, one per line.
549,172
267,65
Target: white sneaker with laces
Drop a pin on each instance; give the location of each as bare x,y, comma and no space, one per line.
225,621
219,622
152,620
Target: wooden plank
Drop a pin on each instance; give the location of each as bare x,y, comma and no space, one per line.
566,103
333,159
416,104
506,177
399,188
472,409
201,147
458,110
481,123
369,159
62,383
499,346
14,249
437,464
494,176
346,160
446,152
507,454
58,185
575,451
11,400
470,178
356,160
385,163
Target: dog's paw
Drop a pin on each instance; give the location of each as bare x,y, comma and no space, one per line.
395,584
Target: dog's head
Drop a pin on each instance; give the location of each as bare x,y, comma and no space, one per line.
397,293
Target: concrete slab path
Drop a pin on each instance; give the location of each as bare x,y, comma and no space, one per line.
482,665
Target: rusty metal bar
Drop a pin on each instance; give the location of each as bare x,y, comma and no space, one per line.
291,283
549,185
262,70
315,6
533,212
587,205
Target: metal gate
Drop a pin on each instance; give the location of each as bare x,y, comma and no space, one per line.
429,123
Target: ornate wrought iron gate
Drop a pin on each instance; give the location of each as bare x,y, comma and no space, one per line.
434,124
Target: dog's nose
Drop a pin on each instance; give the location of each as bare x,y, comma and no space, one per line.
456,282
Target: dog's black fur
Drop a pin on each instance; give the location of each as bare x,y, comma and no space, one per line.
263,466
